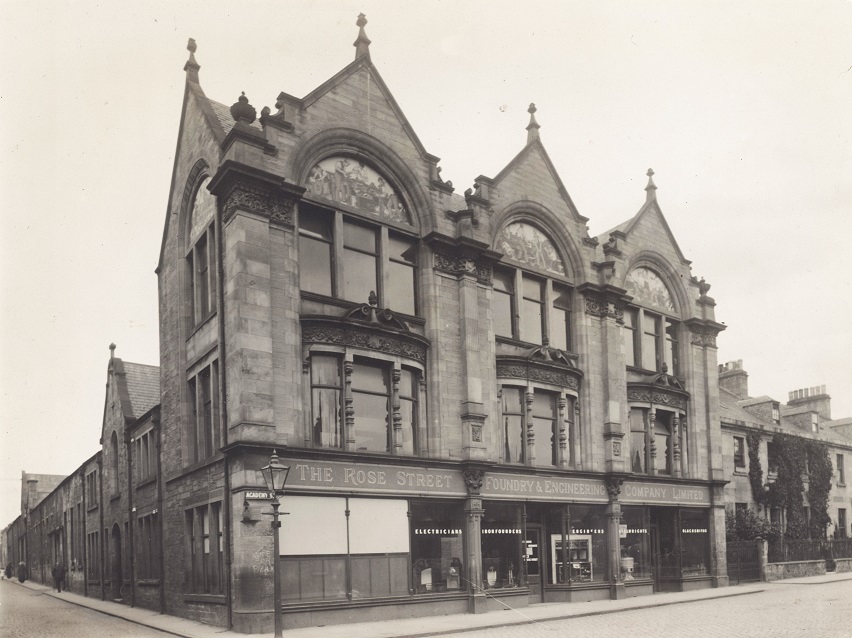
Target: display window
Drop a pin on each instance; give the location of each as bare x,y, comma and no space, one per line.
502,534
695,540
437,547
635,542
587,544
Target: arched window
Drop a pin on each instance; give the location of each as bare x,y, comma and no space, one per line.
650,332
359,240
200,255
113,463
532,301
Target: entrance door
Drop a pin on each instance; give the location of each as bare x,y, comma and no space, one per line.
533,562
116,576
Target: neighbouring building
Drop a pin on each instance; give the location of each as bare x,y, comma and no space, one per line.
480,403
754,422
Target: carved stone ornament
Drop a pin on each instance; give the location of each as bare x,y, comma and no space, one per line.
664,379
616,448
528,246
473,477
372,314
463,261
517,368
476,433
703,336
644,393
260,201
613,487
336,332
647,288
600,305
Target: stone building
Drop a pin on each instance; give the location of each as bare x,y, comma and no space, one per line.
480,403
807,414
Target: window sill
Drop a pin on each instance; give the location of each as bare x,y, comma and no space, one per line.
92,508
114,498
841,485
740,471
146,482
213,599
148,582
200,324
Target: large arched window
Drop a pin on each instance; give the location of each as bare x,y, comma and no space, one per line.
200,255
650,334
531,301
356,237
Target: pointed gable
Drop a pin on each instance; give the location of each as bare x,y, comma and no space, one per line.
532,172
649,219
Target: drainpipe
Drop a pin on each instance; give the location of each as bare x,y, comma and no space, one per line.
128,446
161,544
101,532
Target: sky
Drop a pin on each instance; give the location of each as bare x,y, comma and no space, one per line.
741,108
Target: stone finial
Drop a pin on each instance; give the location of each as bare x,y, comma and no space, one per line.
651,188
242,111
533,126
373,299
111,351
191,67
362,44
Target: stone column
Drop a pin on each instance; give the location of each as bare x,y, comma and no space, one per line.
652,442
613,542
676,445
477,601
529,397
718,553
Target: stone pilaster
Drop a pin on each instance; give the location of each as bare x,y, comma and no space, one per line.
613,520
718,547
473,475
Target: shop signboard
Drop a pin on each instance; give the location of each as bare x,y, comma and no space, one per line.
362,478
636,492
542,488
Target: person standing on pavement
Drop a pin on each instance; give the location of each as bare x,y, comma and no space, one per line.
58,573
22,571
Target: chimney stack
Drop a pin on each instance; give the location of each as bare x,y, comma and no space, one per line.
734,379
815,398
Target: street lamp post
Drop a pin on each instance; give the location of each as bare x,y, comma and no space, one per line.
275,475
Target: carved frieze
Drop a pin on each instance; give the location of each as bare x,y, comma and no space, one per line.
602,306
363,337
532,371
702,336
657,396
252,198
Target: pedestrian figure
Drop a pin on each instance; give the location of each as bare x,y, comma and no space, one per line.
58,573
22,571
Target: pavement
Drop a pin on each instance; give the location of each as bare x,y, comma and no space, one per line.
432,625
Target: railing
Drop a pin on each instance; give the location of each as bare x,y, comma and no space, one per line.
786,551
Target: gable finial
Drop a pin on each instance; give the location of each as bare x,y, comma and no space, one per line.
242,111
362,44
191,67
111,351
651,188
533,126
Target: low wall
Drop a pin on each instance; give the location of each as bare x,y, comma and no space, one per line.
795,569
843,565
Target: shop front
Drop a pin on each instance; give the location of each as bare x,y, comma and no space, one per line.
364,541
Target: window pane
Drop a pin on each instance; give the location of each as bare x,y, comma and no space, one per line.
559,328
399,294
408,409
513,424
663,442
315,266
501,308
359,237
370,377
437,549
325,370
501,542
695,539
544,405
315,222
401,249
325,408
650,342
371,422
533,288
364,516
531,321
637,441
545,449
671,346
315,525
359,273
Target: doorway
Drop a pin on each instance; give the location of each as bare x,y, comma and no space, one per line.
116,577
533,562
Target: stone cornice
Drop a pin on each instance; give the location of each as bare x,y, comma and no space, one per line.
242,187
657,395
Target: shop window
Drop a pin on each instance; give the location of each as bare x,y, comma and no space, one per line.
377,387
695,542
582,547
205,551
199,256
502,546
437,547
635,544
739,452
344,257
328,543
203,427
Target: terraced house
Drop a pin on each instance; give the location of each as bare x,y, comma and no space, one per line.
479,402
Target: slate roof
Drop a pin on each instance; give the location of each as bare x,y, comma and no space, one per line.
730,409
143,387
756,400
